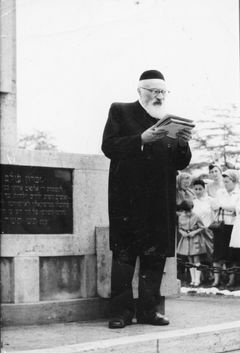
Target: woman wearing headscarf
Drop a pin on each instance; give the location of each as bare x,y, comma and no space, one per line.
227,200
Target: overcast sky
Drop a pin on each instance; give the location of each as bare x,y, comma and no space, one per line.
76,57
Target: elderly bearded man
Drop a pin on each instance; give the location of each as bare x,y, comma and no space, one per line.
142,193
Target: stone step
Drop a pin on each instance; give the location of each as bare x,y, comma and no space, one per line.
206,339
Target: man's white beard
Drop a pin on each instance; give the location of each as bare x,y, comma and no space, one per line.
156,111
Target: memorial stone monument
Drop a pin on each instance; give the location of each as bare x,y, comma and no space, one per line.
50,205
55,260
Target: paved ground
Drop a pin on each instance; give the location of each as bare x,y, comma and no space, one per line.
210,290
184,312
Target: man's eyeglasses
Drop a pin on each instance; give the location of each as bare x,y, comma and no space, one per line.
155,92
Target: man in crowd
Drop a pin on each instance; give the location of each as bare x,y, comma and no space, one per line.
142,198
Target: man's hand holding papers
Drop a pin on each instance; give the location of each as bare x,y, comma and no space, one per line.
175,127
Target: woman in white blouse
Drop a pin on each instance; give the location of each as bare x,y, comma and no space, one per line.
204,205
235,236
227,199
215,173
234,246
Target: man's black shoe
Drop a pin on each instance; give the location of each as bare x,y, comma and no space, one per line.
121,320
152,319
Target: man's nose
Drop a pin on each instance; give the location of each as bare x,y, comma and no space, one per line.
160,93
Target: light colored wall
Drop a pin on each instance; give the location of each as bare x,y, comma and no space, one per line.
7,277
90,175
8,126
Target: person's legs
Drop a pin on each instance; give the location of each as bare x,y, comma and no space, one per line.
229,256
122,302
192,270
217,273
196,260
231,278
234,257
222,255
149,302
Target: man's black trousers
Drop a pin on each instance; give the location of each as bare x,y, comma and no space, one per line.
150,277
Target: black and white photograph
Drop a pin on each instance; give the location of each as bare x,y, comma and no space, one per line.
120,176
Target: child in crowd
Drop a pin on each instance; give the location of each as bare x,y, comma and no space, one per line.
193,239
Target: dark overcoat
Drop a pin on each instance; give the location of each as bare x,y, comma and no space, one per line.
142,182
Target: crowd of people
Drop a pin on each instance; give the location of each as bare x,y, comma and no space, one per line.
201,202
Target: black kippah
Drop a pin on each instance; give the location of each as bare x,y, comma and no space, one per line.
147,75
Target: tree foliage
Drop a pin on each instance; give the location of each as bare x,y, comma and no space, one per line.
218,135
38,140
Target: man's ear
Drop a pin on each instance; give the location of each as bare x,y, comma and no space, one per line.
139,91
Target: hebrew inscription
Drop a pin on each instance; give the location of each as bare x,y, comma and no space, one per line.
36,200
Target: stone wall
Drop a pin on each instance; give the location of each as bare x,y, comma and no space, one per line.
57,267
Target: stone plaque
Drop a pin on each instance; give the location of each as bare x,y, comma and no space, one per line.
36,200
